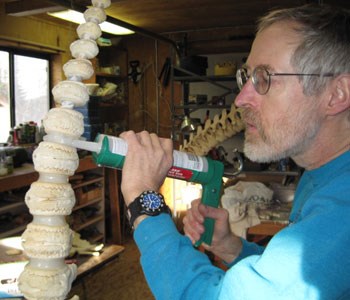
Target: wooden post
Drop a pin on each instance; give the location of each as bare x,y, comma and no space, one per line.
113,187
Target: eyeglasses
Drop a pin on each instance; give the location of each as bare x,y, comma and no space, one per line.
261,78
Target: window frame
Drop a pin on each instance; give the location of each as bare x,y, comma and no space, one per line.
35,54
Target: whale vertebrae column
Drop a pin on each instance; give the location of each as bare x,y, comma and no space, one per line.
214,132
48,238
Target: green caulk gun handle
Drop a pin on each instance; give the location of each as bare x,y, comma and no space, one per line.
211,194
210,198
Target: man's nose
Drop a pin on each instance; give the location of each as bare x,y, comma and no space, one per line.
246,96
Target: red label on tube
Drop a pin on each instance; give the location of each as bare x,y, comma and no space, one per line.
179,173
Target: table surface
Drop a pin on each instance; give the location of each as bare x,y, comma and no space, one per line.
86,263
268,228
22,176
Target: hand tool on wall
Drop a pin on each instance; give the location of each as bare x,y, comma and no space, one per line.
165,72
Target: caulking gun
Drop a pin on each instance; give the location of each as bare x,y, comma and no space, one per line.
110,151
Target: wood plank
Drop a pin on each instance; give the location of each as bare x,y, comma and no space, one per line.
94,262
20,177
25,175
113,185
266,228
28,8
86,163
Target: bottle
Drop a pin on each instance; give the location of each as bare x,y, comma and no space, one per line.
42,130
15,137
3,166
31,132
10,138
37,135
19,132
9,164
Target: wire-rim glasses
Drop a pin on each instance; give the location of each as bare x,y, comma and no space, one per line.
261,78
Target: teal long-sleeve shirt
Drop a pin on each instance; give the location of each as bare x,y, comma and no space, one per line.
309,259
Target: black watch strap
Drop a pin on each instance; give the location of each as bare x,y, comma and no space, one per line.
139,207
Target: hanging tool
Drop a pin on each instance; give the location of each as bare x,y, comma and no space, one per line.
165,72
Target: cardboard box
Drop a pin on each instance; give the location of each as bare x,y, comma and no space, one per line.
225,69
195,64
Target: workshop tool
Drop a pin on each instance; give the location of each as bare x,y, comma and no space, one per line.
110,151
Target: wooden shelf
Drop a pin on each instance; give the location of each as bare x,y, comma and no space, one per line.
229,173
115,105
4,207
13,231
96,238
268,228
114,76
90,264
95,201
86,264
202,106
21,177
223,89
200,78
89,222
91,176
86,163
87,182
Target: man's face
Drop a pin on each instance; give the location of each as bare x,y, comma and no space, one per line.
283,122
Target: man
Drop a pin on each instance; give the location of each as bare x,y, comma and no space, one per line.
295,96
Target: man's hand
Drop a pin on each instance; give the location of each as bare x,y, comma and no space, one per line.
225,245
146,165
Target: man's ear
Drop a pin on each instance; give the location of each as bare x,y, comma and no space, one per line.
339,100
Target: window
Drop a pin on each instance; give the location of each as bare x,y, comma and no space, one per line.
4,96
24,89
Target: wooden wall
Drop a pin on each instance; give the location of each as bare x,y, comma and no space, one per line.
36,34
149,100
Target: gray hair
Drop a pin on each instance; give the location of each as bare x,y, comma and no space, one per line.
325,41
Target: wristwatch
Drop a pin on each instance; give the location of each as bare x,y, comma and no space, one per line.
149,203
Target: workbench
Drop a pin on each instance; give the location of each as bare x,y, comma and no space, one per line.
86,263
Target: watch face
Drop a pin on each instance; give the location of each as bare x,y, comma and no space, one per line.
149,203
152,202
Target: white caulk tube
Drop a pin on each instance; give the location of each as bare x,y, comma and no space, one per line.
117,146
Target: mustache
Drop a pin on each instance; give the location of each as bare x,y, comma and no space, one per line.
249,116
253,118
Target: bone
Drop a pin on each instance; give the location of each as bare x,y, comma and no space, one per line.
50,199
89,31
214,132
71,91
46,284
41,241
101,3
78,69
73,125
95,14
87,49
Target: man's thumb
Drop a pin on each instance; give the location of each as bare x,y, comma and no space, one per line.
212,212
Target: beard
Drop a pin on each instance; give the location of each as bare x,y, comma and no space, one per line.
288,136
